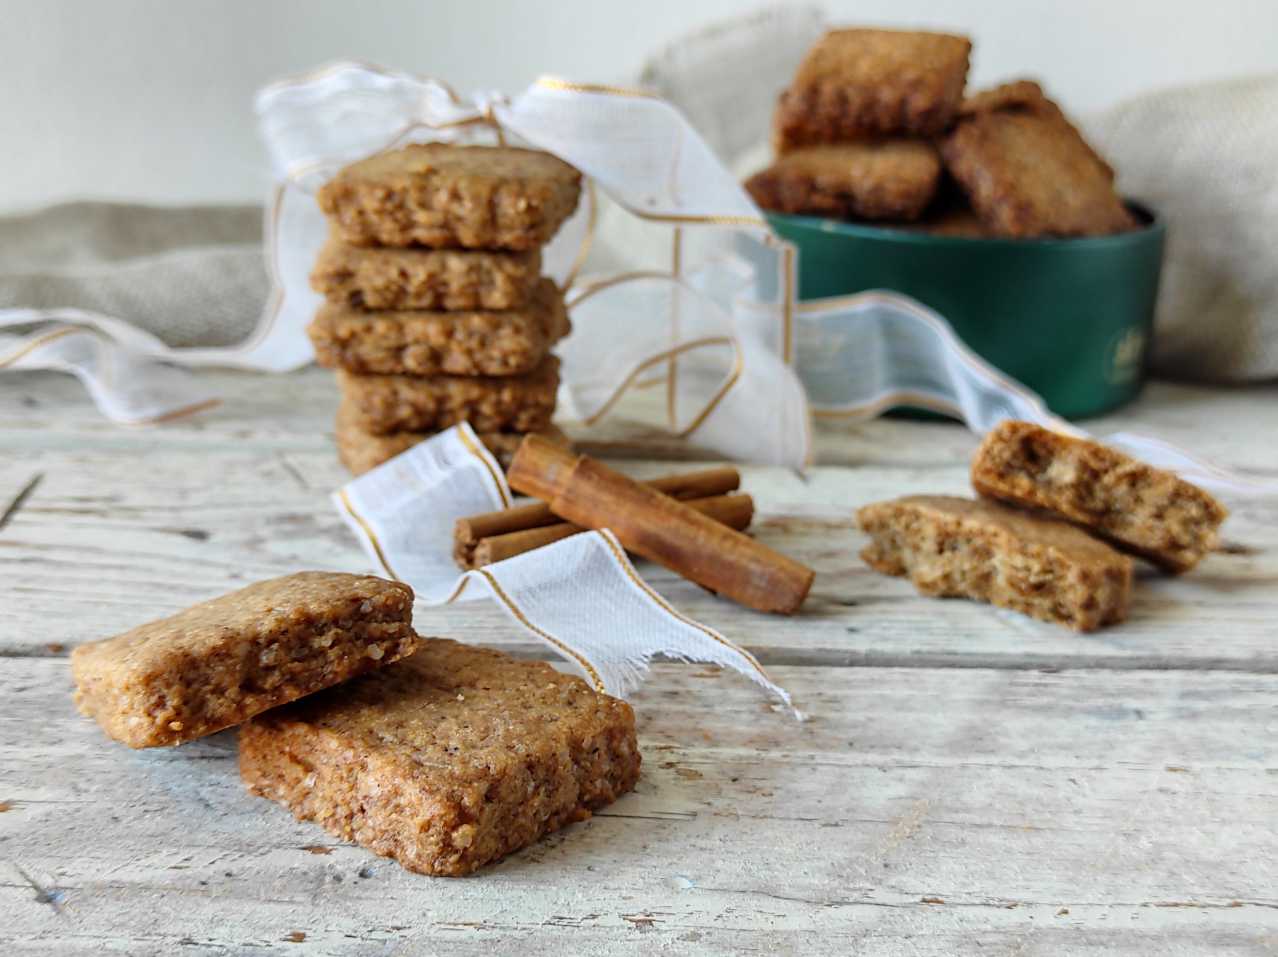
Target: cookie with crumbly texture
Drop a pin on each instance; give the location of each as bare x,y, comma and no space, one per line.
957,547
1140,509
857,83
871,179
448,760
361,451
445,195
423,342
362,277
381,404
222,661
1028,172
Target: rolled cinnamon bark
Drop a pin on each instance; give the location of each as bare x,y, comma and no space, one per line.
469,531
734,511
658,527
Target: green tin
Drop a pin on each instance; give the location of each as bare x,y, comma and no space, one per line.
1070,318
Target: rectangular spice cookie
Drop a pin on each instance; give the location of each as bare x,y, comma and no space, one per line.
872,179
1028,172
1139,508
448,760
964,548
399,403
361,277
1027,96
441,195
421,342
857,83
361,451
223,661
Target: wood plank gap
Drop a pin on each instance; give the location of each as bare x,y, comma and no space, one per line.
837,658
20,499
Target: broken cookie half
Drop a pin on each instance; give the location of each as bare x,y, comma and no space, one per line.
1041,567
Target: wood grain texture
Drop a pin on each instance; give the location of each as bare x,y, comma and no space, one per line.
969,782
929,808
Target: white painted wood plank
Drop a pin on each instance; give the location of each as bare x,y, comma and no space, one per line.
109,539
295,411
1088,811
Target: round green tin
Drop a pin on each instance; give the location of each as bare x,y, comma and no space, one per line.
1069,318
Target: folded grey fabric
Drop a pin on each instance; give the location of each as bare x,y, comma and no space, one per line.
193,276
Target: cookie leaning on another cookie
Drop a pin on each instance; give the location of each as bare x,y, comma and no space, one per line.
222,661
1141,509
1028,172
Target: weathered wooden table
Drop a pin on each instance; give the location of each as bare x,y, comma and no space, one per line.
969,782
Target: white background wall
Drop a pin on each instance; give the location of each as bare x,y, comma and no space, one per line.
150,99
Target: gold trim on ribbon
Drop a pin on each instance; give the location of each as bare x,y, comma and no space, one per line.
672,385
41,340
486,460
368,531
604,89
616,279
657,359
62,332
697,219
619,554
176,413
588,240
523,619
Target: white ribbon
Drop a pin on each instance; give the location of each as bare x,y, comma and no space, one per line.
581,596
866,353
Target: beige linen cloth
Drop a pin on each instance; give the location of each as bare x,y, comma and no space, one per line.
193,276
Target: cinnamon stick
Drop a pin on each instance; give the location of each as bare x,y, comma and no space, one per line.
690,485
734,511
658,527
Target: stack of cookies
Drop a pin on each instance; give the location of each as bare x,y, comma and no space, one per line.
437,312
875,127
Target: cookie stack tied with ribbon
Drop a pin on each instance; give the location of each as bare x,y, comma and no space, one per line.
854,132
437,312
